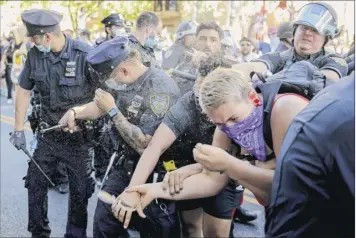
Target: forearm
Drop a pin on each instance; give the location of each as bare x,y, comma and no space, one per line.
331,75
132,134
197,186
21,105
145,166
88,111
257,180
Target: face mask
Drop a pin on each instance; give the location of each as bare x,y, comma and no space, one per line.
111,83
151,42
119,32
44,49
248,133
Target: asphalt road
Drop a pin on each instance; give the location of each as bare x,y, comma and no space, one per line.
13,195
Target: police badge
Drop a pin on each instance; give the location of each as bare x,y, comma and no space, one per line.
159,104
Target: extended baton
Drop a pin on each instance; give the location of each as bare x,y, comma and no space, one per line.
53,128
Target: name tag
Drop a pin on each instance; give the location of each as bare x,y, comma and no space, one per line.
70,69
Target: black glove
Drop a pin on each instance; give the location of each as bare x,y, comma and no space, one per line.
18,139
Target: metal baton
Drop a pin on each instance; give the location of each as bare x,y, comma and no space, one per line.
34,161
53,128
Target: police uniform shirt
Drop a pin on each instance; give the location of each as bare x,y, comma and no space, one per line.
147,54
145,102
189,126
63,81
313,189
277,61
174,55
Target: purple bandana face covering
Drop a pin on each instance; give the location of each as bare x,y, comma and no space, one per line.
249,133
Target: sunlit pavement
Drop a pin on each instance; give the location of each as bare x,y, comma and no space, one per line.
13,200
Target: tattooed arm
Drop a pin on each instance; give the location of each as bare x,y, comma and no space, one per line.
132,134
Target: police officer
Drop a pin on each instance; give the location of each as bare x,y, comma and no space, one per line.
57,67
114,26
148,25
143,95
185,39
285,34
315,172
145,38
310,34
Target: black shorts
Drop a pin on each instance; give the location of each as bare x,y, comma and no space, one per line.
220,206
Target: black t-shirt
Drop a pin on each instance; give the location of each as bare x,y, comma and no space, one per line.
190,127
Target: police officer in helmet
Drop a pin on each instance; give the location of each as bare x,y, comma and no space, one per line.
142,97
315,24
185,39
285,35
57,66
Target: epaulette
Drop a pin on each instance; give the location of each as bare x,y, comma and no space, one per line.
81,46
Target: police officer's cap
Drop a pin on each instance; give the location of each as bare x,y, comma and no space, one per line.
40,21
108,55
114,19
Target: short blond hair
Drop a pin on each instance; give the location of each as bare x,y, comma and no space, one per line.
222,85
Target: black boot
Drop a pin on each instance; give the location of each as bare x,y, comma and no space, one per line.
242,215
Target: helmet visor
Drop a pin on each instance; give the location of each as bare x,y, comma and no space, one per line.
319,18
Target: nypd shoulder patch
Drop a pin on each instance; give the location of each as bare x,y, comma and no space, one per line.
159,104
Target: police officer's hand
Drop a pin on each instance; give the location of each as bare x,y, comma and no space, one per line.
212,158
148,192
18,139
104,100
124,205
174,180
69,120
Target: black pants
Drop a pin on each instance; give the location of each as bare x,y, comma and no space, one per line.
72,150
101,159
8,81
61,175
156,224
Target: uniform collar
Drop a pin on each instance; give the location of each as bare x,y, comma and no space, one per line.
64,53
309,57
139,82
136,41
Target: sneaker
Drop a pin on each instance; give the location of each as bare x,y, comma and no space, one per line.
63,188
244,216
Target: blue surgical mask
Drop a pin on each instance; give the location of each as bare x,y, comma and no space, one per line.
151,42
111,83
119,32
43,48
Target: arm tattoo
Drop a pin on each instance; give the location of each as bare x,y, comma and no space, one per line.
132,134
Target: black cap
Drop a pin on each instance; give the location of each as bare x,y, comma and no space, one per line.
108,55
114,19
40,21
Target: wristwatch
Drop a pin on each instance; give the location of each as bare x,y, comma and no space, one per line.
113,112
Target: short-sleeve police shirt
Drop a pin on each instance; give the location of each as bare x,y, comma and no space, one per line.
145,102
313,189
277,61
63,81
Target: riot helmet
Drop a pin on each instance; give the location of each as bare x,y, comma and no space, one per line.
320,16
186,28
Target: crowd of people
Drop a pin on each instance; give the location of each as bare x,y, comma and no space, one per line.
172,143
